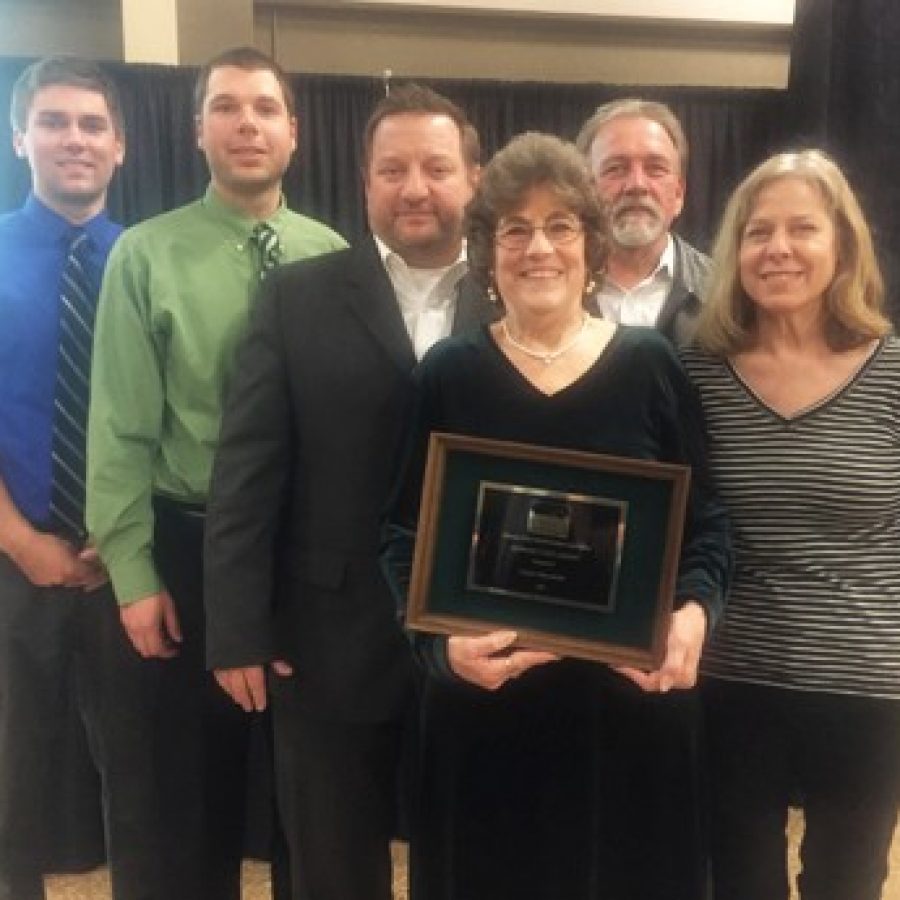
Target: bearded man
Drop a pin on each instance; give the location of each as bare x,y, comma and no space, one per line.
638,154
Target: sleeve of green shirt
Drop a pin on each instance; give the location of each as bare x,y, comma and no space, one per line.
124,425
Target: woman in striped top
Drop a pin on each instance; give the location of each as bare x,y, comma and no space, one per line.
801,390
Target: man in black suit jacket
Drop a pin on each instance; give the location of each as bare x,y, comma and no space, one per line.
306,457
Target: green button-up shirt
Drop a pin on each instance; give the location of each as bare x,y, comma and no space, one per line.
174,304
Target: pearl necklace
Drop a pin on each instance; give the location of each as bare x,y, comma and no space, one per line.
547,357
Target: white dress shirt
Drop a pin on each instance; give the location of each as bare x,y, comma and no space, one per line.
427,297
641,304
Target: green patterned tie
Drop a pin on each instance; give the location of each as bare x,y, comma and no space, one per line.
268,244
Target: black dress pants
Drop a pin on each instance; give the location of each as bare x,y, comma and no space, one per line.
202,739
337,787
839,754
56,643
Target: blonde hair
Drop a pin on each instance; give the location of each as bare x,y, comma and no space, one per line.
853,300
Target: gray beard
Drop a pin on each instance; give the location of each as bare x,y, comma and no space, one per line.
637,232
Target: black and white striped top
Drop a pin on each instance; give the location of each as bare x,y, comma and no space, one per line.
815,505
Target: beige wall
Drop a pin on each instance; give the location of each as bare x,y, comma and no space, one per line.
365,42
207,27
150,31
40,27
166,31
725,12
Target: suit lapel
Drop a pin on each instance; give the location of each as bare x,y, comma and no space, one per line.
678,293
372,298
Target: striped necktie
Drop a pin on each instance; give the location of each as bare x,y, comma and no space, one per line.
268,244
77,308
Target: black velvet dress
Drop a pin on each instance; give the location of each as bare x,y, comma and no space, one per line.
568,783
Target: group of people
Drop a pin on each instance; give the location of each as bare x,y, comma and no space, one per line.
212,438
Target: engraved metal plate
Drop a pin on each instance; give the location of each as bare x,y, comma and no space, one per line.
543,545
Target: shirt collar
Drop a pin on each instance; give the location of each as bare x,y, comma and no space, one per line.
236,220
58,227
394,262
666,264
665,269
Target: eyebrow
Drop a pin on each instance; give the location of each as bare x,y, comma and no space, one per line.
646,157
237,98
91,117
794,217
557,214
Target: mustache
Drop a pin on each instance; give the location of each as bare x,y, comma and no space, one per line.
628,204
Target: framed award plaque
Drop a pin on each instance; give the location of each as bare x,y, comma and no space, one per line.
577,552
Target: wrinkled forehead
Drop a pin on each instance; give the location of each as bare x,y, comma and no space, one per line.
633,137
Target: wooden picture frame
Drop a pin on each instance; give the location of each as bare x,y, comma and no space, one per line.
578,552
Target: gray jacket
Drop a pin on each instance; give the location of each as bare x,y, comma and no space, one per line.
679,314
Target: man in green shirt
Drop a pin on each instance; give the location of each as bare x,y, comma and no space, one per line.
175,300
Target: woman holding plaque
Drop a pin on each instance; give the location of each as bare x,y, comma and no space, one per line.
548,778
801,388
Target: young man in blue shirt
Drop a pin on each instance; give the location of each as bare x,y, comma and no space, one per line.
58,618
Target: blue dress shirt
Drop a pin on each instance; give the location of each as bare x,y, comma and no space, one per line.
34,243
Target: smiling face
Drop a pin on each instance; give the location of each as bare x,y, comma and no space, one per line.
541,278
417,187
246,132
788,249
72,147
638,174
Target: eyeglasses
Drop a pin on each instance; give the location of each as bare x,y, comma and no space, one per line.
519,235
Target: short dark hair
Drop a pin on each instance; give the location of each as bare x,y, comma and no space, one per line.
70,71
249,59
416,99
528,161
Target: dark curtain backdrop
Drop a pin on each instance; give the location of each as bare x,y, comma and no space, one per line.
729,130
844,96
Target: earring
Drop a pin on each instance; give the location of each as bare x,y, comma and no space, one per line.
590,287
493,296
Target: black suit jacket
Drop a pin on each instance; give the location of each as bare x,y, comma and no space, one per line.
310,437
